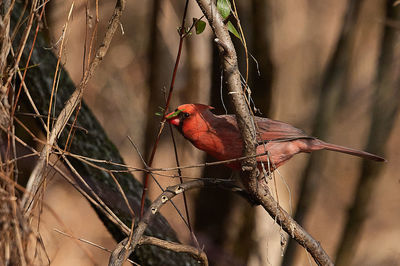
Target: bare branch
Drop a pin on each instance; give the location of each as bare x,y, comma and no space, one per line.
247,128
176,247
122,251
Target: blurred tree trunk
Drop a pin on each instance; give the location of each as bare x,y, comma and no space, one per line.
94,144
228,235
333,82
261,78
384,112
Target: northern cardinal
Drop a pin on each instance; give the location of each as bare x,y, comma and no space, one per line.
219,136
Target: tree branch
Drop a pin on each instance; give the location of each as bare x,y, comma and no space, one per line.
121,251
247,128
118,255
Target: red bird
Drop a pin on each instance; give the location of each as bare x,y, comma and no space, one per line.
219,136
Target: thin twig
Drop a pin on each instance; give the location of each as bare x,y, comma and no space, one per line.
155,180
165,169
162,123
181,181
89,243
54,88
97,201
21,47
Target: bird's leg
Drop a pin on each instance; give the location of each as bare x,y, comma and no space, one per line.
266,173
269,172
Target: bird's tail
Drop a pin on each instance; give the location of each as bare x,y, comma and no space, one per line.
332,147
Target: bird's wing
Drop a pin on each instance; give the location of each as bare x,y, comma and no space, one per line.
269,129
273,130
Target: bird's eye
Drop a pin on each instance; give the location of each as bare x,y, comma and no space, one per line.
186,115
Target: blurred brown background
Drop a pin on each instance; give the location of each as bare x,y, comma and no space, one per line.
294,43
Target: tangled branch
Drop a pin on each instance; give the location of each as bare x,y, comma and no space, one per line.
37,176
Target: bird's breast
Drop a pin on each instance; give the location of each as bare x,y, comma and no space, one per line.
220,147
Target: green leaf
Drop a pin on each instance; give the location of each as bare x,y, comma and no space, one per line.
224,8
233,30
200,26
176,113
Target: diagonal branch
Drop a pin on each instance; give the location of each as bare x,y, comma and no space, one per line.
247,128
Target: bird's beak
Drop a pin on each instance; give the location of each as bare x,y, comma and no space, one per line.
173,119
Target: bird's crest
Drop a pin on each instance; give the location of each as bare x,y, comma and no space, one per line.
202,107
